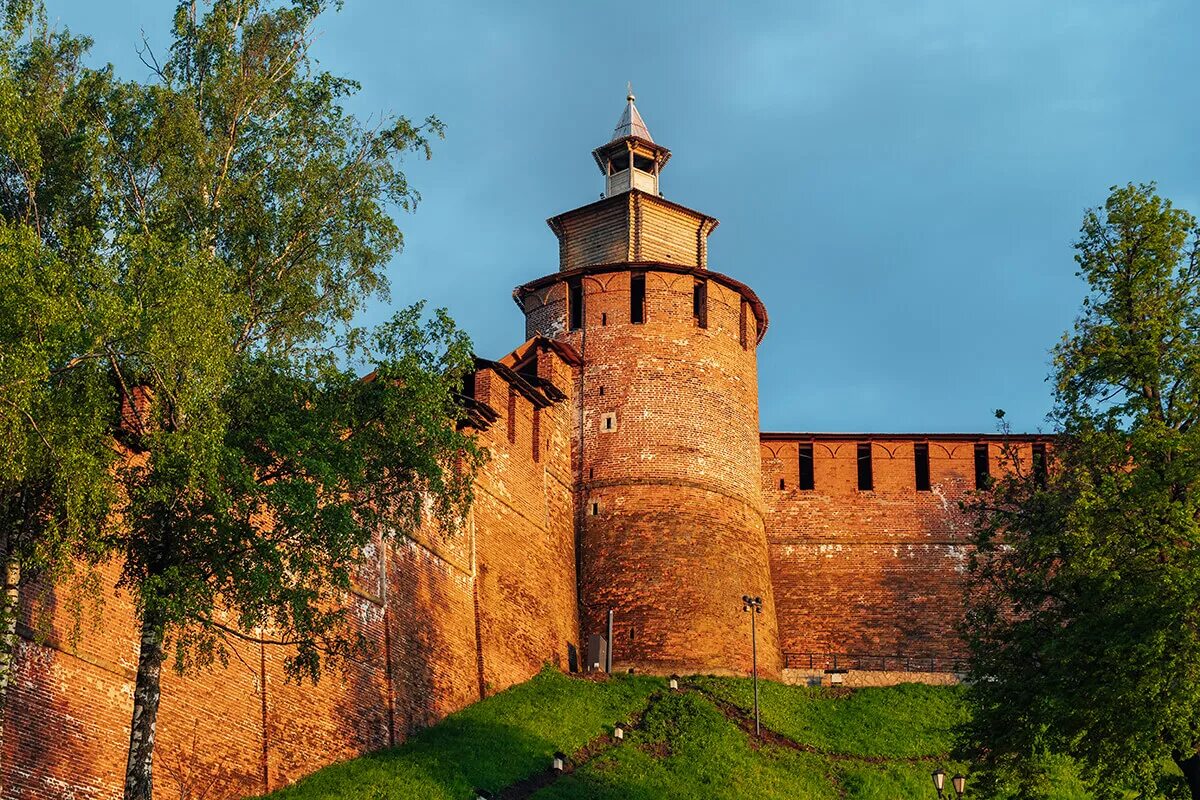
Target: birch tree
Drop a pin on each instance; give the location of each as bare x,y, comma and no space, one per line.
57,407
252,218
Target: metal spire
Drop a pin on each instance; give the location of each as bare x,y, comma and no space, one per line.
630,123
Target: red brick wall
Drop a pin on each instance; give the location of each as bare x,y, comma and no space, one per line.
676,537
869,572
447,617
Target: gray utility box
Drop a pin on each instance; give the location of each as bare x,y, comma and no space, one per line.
597,654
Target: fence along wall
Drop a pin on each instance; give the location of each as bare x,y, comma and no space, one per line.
450,618
871,572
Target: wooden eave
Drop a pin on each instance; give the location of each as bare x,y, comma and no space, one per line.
556,221
480,415
660,154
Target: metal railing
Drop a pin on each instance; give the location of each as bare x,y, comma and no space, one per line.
876,662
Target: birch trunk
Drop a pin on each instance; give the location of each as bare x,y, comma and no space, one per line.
139,780
9,610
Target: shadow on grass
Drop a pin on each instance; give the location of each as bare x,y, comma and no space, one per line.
447,761
491,745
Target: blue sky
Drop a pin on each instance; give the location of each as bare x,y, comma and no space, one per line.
900,182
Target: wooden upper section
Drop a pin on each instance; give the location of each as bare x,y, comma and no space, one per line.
633,226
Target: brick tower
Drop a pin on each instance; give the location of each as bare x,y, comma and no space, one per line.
670,509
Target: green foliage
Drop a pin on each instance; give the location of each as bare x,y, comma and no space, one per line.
56,402
181,262
247,218
1084,605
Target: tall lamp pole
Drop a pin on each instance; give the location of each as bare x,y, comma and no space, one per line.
753,606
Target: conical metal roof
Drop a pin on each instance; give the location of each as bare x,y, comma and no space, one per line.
630,123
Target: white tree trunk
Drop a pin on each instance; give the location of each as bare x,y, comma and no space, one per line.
139,779
9,611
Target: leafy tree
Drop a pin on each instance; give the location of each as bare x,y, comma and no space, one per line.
1084,605
182,264
56,404
249,221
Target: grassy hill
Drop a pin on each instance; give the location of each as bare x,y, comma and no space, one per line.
818,744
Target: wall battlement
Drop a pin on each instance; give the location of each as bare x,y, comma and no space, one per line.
873,571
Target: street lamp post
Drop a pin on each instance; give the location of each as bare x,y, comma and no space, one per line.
753,606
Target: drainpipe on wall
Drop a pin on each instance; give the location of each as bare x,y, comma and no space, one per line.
581,498
608,650
262,685
387,642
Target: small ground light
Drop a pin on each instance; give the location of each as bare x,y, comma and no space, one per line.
483,794
619,730
560,760
939,780
674,682
959,782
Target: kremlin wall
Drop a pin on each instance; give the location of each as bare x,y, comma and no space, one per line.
627,473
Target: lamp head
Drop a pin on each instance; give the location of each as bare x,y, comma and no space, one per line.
939,779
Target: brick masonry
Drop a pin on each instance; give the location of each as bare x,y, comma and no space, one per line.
856,679
875,572
450,620
627,472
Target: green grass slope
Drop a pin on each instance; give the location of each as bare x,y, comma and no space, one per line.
490,745
820,744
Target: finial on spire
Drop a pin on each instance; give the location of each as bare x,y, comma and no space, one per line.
630,123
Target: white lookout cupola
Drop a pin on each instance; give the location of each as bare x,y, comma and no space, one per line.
631,159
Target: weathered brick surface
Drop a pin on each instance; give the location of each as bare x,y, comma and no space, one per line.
447,617
870,572
857,678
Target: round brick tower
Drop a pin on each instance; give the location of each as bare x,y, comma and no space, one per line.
670,511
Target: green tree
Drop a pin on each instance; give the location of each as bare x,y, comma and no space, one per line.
1084,606
244,220
56,404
